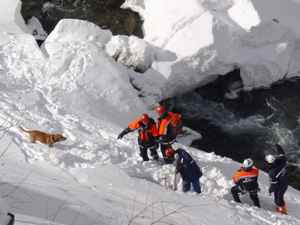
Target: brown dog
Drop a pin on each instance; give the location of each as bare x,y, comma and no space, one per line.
45,138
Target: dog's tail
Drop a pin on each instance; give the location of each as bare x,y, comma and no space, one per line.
22,129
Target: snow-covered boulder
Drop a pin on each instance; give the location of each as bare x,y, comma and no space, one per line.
80,72
131,51
20,60
73,30
11,20
74,70
136,53
213,37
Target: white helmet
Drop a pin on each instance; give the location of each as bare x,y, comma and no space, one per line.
247,164
270,158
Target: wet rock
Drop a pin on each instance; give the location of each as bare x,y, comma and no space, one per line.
105,13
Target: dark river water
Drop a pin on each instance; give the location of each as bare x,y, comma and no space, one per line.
240,124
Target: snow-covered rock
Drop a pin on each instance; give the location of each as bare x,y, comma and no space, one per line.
11,20
80,72
131,51
79,31
136,53
214,36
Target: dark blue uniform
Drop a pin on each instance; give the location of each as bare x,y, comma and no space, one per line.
278,177
189,170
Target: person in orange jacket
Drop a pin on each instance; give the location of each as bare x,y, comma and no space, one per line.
147,133
245,180
169,126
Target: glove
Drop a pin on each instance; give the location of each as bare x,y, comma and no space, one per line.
120,136
126,131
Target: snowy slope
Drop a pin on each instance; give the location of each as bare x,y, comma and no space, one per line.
212,37
92,178
73,86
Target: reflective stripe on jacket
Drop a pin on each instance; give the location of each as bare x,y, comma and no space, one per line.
246,179
146,131
240,174
169,125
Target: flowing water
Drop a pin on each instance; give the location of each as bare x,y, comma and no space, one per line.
105,13
240,124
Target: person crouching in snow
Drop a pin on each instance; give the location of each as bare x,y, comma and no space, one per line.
186,166
169,125
245,180
278,178
147,133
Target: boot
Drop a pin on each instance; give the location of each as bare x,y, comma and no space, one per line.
255,199
282,209
143,154
156,158
154,154
235,194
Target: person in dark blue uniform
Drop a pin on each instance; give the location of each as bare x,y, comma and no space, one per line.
278,178
187,168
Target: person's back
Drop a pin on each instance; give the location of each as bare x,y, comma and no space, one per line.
188,169
277,169
166,130
186,165
247,179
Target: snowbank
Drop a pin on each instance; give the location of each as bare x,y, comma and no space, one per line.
213,37
11,20
80,72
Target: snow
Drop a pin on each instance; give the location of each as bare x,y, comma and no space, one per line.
11,20
131,51
213,37
87,70
73,86
91,177
65,31
244,14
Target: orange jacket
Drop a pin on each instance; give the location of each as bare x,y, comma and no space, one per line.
172,119
243,174
146,132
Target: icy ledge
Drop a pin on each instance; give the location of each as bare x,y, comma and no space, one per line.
213,37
